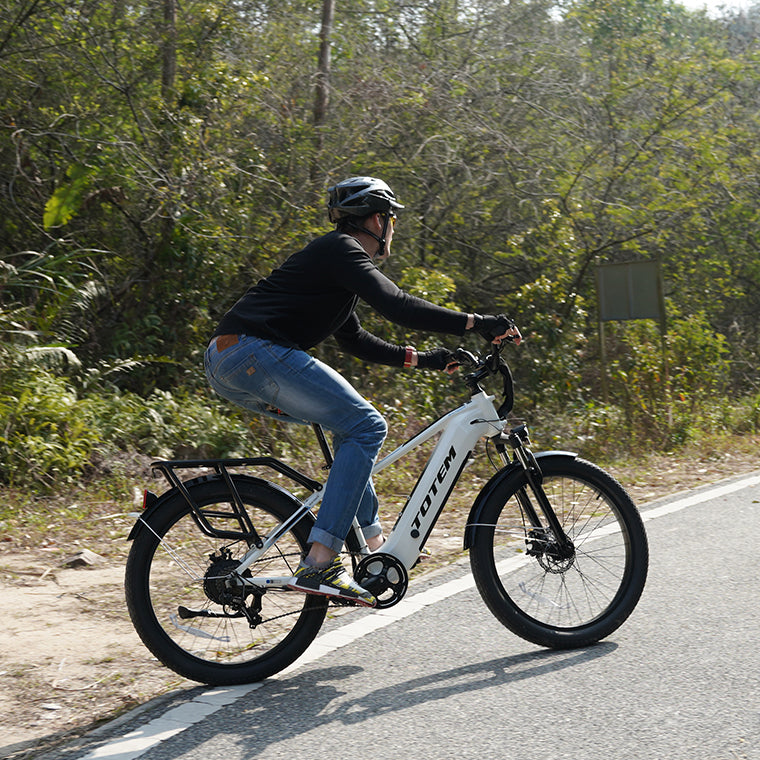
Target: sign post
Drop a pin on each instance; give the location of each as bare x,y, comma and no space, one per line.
630,291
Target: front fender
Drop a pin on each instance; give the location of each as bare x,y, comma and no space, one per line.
511,470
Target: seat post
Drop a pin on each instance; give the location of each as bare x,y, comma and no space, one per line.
323,444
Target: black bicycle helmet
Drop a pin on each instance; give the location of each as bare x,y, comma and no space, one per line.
360,196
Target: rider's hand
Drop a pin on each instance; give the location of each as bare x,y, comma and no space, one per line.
495,328
437,358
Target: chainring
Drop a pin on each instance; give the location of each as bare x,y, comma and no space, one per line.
384,576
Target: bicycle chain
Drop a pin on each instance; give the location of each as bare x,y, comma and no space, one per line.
334,603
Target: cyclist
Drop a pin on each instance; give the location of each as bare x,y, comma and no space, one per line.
258,358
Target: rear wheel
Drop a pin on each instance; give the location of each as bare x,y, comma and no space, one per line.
553,595
183,605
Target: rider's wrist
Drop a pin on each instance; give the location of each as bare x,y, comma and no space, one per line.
472,321
410,357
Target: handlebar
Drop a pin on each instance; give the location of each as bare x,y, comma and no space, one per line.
491,364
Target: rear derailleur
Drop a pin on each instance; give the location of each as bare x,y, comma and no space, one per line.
223,586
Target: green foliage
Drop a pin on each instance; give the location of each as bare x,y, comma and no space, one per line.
48,433
550,363
67,199
146,187
664,391
166,425
430,284
57,429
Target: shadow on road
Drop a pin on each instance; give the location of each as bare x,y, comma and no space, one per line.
285,709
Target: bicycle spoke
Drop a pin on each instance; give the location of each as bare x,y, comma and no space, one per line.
197,614
559,590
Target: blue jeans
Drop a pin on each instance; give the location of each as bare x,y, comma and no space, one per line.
265,377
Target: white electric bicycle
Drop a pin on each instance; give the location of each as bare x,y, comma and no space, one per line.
557,547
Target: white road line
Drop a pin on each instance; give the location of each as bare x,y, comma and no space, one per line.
178,719
172,722
711,493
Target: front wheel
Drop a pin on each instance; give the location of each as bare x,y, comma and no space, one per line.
182,603
561,596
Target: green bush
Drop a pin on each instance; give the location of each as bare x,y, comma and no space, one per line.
664,391
548,364
167,425
52,432
48,433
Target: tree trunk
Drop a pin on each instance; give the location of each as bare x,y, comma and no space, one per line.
322,84
168,50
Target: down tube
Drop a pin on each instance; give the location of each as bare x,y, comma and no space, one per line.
432,490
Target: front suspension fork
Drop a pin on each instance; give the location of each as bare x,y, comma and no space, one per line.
519,441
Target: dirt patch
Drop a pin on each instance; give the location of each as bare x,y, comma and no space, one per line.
68,654
69,657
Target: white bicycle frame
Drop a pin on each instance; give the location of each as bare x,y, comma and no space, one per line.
459,430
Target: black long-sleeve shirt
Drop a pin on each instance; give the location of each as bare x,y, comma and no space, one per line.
314,294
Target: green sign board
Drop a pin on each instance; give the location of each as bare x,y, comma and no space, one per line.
630,291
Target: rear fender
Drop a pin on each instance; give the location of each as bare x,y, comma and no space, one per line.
511,470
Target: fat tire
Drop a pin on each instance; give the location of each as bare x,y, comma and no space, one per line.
237,654
564,607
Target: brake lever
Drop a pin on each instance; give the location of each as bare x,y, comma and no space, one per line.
466,357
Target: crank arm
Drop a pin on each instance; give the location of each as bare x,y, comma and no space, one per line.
262,582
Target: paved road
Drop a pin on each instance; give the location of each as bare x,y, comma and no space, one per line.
681,679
